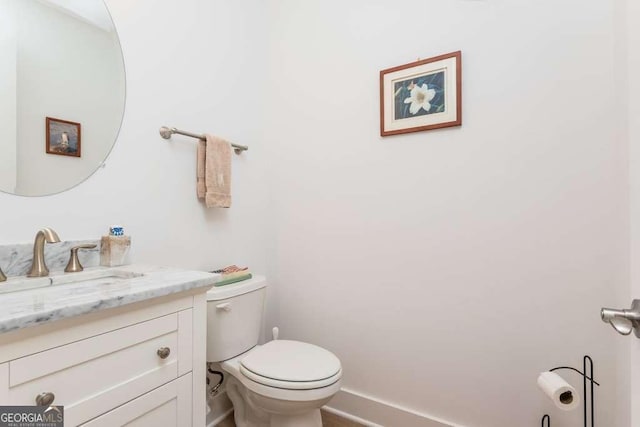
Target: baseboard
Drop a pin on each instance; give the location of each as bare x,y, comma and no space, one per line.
219,407
219,419
349,417
374,412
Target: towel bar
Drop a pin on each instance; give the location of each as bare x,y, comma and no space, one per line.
166,133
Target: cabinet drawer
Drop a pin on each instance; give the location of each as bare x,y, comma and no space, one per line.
92,376
166,406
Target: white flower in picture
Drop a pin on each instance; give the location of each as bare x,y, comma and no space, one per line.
420,98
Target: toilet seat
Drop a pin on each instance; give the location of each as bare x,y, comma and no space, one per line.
291,365
290,385
282,390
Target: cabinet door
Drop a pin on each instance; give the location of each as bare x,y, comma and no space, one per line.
92,376
166,406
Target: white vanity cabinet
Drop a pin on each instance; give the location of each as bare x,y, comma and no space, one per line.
141,364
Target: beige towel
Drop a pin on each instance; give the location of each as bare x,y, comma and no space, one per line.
217,173
201,158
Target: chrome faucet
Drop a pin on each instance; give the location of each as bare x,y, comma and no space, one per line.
38,266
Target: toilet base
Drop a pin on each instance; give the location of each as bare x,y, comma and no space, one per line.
254,410
307,419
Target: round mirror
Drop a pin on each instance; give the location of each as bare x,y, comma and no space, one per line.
62,93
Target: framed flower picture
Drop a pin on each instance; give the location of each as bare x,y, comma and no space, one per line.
422,95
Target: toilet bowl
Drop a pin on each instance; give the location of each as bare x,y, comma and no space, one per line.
281,383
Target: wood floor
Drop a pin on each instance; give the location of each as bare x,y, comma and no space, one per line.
227,422
332,420
328,420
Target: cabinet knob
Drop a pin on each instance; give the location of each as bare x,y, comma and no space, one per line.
45,399
164,352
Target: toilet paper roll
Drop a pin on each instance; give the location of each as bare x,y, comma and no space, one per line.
561,392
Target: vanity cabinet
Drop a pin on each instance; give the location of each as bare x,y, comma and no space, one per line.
141,364
167,406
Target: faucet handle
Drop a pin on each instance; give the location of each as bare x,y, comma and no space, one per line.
74,265
3,277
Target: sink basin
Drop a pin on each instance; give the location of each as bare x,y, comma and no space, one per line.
109,275
97,276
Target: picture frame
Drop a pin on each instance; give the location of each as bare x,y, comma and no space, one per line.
422,95
64,138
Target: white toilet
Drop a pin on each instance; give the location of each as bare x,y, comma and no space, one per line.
279,384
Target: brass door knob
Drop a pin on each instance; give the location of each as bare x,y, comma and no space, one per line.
164,352
45,399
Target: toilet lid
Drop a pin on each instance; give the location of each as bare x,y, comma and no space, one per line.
291,361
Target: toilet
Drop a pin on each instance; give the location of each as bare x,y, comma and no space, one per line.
281,383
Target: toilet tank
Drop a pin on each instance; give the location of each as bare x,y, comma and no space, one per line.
234,318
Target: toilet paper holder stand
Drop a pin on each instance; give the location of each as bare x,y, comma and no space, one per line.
585,379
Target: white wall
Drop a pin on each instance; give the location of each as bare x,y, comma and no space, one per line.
188,65
8,110
448,268
69,70
632,29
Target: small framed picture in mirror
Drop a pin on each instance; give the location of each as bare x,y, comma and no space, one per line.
63,137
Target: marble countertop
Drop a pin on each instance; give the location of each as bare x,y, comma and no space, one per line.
46,304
